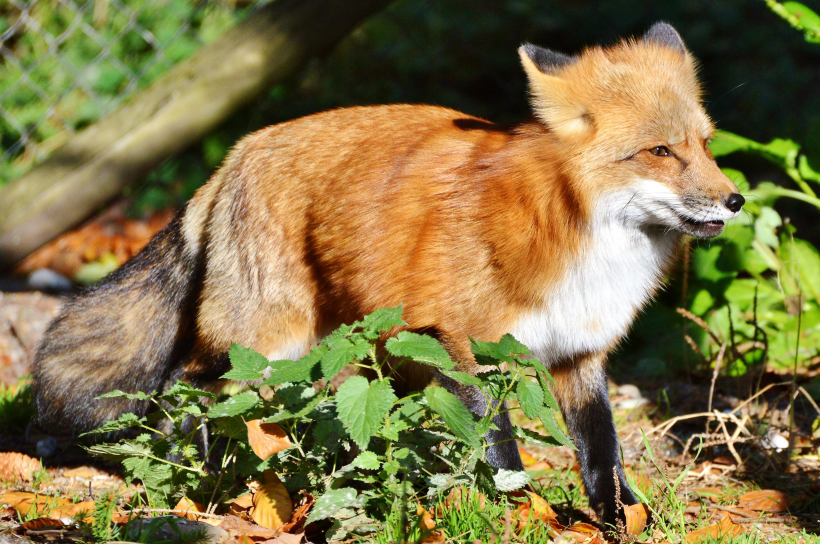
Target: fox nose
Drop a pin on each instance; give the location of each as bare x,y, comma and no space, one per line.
734,202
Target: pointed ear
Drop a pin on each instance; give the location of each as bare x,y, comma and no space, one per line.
663,34
547,61
551,98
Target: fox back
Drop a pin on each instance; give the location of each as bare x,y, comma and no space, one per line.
557,229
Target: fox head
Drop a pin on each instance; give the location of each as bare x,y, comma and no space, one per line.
629,120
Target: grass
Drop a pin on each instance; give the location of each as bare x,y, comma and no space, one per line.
16,408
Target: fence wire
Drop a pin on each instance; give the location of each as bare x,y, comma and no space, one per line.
66,63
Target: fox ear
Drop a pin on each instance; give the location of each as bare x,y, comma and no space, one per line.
552,100
547,61
663,34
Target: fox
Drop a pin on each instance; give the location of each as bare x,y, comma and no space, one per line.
557,229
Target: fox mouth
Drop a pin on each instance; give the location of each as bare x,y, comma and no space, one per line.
701,229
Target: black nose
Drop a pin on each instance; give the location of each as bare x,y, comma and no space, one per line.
734,202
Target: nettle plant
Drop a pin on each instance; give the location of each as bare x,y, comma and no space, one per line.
361,450
757,286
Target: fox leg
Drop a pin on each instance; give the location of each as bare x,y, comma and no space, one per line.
503,450
581,391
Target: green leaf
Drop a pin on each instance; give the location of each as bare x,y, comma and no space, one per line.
807,18
367,460
362,406
462,377
341,352
490,353
421,348
125,421
235,405
533,437
530,397
117,394
510,346
247,364
331,502
298,371
804,261
724,143
454,413
381,320
551,426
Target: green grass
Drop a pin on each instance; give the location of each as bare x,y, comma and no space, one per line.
16,408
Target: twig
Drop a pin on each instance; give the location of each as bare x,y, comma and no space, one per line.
700,323
811,400
718,361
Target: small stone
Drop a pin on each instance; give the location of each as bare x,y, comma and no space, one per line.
629,390
45,279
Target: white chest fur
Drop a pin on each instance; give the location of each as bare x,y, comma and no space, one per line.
602,290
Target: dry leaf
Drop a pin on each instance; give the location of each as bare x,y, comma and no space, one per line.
583,533
71,510
17,466
431,535
297,520
636,515
42,524
461,494
725,528
272,506
82,472
242,531
526,459
266,439
284,538
767,500
543,465
25,502
187,505
240,505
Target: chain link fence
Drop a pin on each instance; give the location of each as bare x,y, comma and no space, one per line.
66,63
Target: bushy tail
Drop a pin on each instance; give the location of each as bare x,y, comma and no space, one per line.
129,332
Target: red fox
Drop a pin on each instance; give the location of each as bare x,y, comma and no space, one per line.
557,230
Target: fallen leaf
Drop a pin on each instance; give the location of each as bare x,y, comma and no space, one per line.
266,439
187,505
284,538
25,502
767,500
526,458
430,535
240,505
272,506
461,494
583,533
42,524
17,466
297,520
71,510
243,532
636,515
82,472
725,528
542,465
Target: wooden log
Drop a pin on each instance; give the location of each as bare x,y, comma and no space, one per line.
181,107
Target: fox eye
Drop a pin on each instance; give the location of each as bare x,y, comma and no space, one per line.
660,151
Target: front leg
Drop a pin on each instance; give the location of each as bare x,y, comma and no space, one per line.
580,388
503,449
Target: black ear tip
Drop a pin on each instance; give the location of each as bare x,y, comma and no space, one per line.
665,34
545,60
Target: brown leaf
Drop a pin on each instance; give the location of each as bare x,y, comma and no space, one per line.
284,538
266,439
542,465
297,520
17,466
636,515
272,506
82,472
583,533
238,527
240,505
187,505
71,510
526,458
725,528
767,500
25,502
42,524
430,535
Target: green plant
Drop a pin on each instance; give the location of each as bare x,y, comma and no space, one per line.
16,409
365,453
